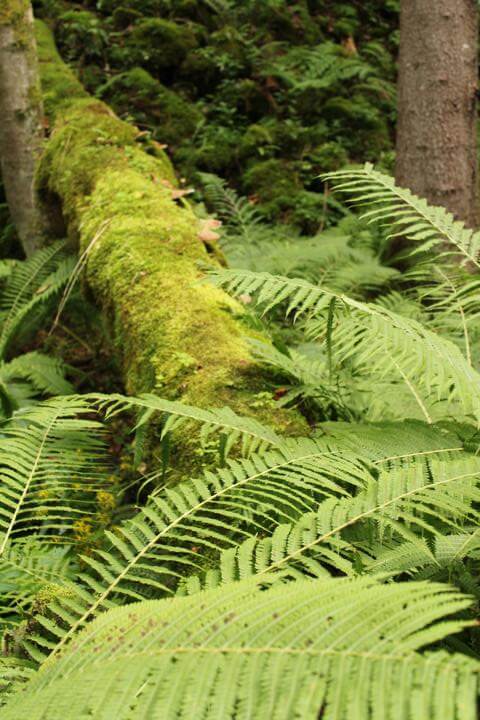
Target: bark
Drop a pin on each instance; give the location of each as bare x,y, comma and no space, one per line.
437,115
21,131
172,334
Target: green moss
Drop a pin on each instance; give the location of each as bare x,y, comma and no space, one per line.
137,93
288,21
144,7
275,184
159,44
122,17
12,15
60,86
171,332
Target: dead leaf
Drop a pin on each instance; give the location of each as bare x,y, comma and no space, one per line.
178,193
207,230
349,45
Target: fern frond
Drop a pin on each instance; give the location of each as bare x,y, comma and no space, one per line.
30,286
14,673
420,559
389,441
50,468
405,213
46,374
301,650
187,527
240,216
252,435
408,501
375,339
28,566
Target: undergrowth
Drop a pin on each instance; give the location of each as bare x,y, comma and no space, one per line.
335,573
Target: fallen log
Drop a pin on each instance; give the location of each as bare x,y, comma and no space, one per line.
173,335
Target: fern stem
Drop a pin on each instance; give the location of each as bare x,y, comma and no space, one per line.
412,389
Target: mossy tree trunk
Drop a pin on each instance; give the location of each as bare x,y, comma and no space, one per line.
437,103
172,333
21,131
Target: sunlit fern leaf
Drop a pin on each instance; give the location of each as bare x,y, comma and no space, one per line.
408,501
453,302
307,649
407,215
249,432
389,441
31,285
185,528
307,379
376,339
446,553
52,463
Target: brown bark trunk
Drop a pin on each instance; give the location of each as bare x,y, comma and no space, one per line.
437,85
21,130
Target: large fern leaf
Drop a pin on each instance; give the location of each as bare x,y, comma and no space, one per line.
185,529
407,501
232,428
31,285
331,648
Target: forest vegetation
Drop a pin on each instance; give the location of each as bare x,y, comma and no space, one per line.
239,360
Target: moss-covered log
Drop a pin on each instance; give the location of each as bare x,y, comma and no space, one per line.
172,333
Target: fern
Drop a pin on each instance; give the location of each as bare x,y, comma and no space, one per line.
186,528
49,468
31,285
377,340
406,214
253,436
241,217
45,374
26,568
299,650
407,501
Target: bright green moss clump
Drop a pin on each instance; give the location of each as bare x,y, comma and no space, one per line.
172,333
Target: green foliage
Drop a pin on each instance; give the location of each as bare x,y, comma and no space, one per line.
277,652
279,86
47,454
135,93
408,215
334,575
27,296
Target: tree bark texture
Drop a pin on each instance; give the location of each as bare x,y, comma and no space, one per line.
437,103
21,130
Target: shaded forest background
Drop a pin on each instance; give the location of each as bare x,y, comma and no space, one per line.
265,94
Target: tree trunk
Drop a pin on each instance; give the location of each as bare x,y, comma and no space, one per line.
20,119
437,86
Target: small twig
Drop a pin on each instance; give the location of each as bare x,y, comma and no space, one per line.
76,274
